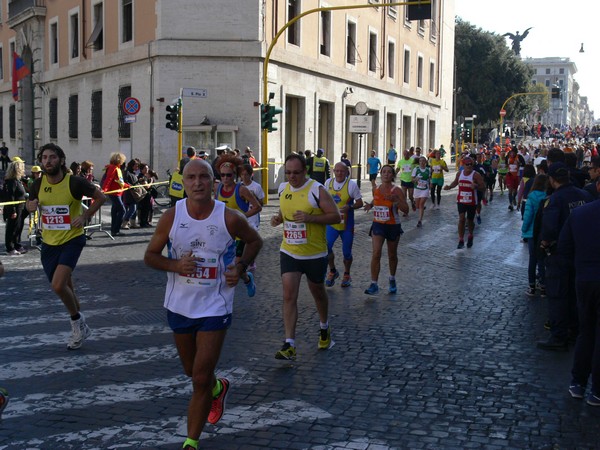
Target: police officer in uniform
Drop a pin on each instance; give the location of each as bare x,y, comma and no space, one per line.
560,282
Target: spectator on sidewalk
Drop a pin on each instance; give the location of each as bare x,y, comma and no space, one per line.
536,268
594,174
130,177
14,214
114,185
4,158
560,282
579,245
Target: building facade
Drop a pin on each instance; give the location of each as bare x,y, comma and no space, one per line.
571,108
88,56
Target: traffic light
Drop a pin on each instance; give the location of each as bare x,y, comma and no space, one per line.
468,130
556,92
267,117
264,116
273,111
419,12
174,116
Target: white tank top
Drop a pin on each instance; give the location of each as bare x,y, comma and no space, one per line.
205,293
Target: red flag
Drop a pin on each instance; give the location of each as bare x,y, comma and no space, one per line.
20,71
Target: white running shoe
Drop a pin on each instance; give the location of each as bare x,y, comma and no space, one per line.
81,332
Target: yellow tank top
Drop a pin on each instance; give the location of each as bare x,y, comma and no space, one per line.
437,167
301,240
341,199
59,209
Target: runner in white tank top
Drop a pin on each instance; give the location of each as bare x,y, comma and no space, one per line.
199,233
203,293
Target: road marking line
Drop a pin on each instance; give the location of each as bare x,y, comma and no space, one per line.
62,317
36,340
108,394
28,305
79,362
173,429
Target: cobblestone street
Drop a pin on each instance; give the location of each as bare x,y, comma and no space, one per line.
449,362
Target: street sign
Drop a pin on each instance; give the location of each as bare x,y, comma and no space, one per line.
131,106
360,124
194,92
129,119
502,112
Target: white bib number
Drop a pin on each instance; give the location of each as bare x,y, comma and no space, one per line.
205,274
381,213
56,217
295,233
466,197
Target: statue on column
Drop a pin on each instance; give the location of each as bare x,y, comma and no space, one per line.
516,40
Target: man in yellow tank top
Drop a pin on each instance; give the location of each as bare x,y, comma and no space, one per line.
59,195
305,209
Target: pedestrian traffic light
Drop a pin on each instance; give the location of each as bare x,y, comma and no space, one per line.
174,116
556,92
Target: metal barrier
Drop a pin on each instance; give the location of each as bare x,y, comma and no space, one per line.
95,223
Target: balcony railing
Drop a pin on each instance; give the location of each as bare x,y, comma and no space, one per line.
16,7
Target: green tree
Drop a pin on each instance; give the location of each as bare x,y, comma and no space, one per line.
487,73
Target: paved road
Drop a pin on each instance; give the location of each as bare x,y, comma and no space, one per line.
448,362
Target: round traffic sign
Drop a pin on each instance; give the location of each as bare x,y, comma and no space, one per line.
131,106
502,112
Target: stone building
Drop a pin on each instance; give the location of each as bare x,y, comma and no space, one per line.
88,56
571,108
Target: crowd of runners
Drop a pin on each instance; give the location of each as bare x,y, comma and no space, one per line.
212,239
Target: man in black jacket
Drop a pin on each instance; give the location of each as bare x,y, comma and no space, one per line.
560,287
580,244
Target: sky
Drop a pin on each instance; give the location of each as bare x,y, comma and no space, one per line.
559,29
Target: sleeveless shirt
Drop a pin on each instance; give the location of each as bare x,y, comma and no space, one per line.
204,293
